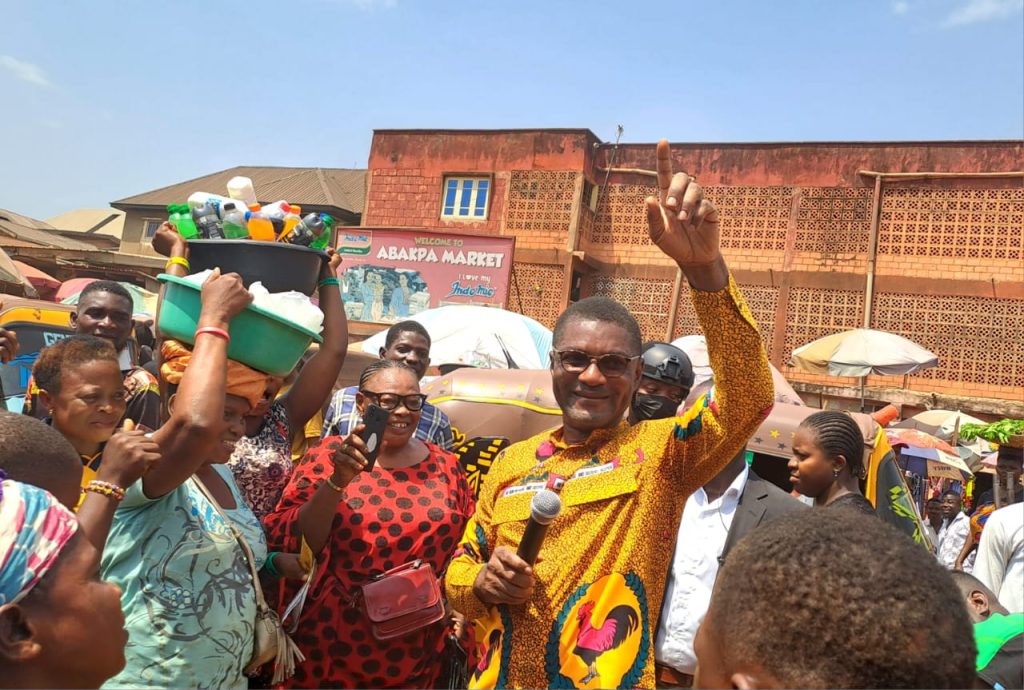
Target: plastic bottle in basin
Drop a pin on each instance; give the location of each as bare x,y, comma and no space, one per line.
216,200
207,222
234,222
260,227
241,189
324,239
291,221
181,219
306,232
276,213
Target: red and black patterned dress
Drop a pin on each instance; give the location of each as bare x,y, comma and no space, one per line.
386,519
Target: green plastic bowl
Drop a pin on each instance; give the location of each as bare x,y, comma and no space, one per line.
259,339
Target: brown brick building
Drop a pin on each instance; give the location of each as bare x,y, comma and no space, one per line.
925,239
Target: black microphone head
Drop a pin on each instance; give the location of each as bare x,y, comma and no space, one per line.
545,506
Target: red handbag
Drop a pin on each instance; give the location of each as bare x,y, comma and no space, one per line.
403,600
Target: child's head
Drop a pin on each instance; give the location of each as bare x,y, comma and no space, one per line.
36,454
828,446
834,599
82,388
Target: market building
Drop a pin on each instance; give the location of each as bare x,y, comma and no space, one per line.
924,239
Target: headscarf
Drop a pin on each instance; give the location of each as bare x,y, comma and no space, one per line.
34,529
241,380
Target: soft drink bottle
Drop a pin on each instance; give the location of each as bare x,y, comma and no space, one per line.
181,219
207,222
324,239
306,232
276,213
260,227
240,188
234,222
292,218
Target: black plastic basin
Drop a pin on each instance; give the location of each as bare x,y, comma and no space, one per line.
280,267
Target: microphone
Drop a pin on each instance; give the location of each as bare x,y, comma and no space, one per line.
544,508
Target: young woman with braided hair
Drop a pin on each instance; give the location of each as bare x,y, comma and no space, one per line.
828,461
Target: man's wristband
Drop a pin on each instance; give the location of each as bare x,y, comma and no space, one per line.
330,281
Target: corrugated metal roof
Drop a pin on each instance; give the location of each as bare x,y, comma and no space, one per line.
16,227
338,187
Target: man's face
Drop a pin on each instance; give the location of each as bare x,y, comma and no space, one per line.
104,315
1010,467
650,386
590,399
934,511
950,506
411,348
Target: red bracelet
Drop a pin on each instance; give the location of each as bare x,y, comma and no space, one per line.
219,332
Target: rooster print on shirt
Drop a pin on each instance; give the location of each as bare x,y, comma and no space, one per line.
601,636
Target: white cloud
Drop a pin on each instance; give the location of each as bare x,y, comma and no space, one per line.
24,71
977,11
900,7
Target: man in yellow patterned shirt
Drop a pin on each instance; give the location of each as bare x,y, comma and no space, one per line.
586,613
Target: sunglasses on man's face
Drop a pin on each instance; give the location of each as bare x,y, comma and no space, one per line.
391,401
612,365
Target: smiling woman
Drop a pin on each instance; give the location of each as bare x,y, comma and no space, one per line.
412,506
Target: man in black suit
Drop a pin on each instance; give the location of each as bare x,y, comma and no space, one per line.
715,519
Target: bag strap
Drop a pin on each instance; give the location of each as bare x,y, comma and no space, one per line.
261,602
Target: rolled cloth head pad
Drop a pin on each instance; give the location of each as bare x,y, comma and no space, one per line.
242,381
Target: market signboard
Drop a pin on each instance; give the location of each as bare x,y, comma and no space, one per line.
390,275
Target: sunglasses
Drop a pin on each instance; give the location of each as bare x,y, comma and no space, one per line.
392,401
611,365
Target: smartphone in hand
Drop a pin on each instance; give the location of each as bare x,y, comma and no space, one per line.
374,419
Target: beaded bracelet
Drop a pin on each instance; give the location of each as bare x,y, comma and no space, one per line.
330,281
105,489
179,261
330,483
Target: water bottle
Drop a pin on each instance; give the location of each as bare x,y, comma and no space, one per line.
260,227
207,222
181,219
324,239
240,188
234,222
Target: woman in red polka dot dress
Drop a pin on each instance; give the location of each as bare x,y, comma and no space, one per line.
414,504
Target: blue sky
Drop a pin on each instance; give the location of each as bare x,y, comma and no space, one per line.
106,99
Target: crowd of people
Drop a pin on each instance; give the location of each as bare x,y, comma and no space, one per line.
153,529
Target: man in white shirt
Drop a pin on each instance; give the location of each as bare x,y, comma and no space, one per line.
715,518
1000,563
956,527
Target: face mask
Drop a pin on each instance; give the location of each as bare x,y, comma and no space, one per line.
654,407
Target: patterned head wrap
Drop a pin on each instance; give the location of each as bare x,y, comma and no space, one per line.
241,380
34,529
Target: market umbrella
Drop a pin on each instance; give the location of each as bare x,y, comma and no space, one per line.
484,337
940,423
917,439
696,348
862,352
492,408
10,274
41,280
143,301
935,463
511,403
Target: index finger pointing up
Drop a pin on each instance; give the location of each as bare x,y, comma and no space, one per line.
664,170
